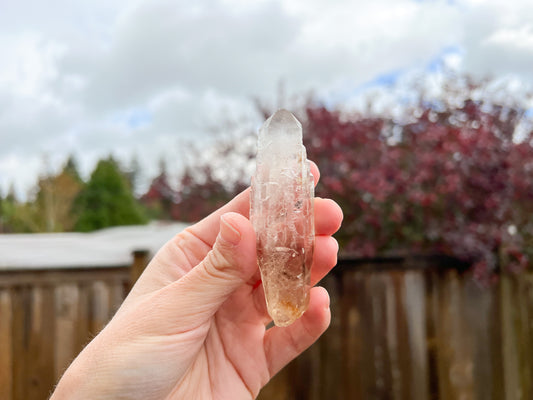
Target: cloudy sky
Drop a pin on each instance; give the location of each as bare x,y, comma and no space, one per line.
96,77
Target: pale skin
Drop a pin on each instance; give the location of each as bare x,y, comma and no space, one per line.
194,325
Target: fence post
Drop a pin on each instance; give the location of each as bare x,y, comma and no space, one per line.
140,261
6,350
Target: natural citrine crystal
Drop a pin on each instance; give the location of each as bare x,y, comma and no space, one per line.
283,218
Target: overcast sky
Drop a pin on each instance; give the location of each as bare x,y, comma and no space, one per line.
111,76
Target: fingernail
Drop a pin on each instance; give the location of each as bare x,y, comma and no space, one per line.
336,243
329,299
228,232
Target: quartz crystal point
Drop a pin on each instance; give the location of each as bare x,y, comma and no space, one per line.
283,218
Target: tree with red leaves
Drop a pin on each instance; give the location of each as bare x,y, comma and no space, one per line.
456,181
201,193
454,176
161,197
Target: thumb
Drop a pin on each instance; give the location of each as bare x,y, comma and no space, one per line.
230,263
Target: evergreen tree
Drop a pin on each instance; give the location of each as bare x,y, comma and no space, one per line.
71,168
107,200
14,214
11,194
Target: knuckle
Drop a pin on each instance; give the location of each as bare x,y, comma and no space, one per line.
217,264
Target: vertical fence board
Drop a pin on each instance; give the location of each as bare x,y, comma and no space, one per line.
6,350
21,315
403,372
368,374
414,304
432,327
391,300
509,349
99,306
444,332
84,316
479,307
117,295
454,342
461,372
523,337
312,364
372,336
494,331
351,336
526,305
301,367
66,305
381,354
329,363
40,349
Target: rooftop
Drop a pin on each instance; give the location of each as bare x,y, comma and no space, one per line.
104,248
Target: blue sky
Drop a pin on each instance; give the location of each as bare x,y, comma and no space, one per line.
143,77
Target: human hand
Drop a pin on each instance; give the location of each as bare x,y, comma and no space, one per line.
194,325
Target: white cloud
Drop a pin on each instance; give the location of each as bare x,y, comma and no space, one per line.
102,76
500,38
160,46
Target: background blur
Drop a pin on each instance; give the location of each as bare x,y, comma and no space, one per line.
140,80
123,121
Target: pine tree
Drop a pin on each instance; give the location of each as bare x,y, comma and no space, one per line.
71,168
13,214
107,200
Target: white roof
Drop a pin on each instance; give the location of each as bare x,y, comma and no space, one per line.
104,248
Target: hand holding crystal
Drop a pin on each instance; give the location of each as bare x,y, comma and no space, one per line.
194,325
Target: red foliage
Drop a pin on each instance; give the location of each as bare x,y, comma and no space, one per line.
159,190
452,182
455,180
160,197
201,193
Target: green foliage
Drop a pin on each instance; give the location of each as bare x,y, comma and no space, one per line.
107,200
49,207
8,212
16,216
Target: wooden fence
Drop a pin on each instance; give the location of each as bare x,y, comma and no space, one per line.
46,317
417,329
414,329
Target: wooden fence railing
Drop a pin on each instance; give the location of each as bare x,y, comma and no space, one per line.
414,329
